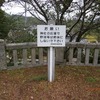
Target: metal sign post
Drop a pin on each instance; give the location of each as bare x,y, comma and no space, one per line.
51,64
51,36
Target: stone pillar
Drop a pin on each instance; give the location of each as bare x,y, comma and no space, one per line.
59,55
3,64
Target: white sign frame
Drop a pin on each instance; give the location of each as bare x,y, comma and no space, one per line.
51,35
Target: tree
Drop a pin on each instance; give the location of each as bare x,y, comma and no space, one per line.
4,22
48,9
1,2
21,36
19,32
86,18
84,14
4,25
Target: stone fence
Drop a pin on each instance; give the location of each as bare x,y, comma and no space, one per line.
18,55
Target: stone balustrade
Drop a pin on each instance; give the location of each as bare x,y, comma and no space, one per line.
18,55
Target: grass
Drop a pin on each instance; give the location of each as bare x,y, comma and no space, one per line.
18,72
38,78
91,79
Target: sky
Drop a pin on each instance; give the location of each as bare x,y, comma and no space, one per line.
14,8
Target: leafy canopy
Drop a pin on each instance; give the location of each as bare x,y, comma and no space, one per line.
4,25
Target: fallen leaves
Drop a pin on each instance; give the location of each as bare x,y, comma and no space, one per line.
32,84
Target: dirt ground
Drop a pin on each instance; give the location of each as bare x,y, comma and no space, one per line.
71,83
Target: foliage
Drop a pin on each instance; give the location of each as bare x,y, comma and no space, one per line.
18,22
97,33
4,22
19,32
4,25
21,36
83,14
1,2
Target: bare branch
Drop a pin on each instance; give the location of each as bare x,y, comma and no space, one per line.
65,7
45,16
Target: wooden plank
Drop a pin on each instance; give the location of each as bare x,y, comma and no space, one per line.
41,55
71,54
24,56
87,56
15,59
95,59
33,54
79,55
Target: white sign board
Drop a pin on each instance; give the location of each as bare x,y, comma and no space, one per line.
51,35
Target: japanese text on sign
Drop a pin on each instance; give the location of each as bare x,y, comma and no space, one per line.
51,35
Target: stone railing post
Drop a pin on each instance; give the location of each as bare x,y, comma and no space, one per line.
3,64
60,55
